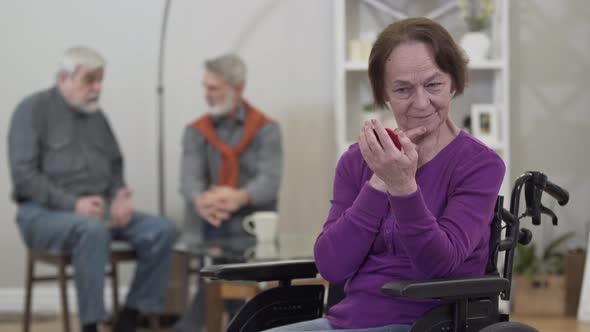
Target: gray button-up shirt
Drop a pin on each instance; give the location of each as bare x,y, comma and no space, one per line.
260,164
58,154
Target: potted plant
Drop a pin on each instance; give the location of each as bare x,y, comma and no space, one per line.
477,14
539,279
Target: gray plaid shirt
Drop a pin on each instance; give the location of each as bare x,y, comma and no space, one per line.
57,153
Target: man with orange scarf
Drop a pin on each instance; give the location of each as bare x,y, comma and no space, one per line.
231,166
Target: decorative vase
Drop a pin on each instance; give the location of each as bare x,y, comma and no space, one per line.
476,45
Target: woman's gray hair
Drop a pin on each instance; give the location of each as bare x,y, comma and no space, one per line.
80,56
230,67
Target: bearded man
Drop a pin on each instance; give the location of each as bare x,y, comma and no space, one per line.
67,174
231,167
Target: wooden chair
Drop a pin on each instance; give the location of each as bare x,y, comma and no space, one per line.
120,252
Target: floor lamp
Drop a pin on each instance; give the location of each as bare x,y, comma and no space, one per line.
160,114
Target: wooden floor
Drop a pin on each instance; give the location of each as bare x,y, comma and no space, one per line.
46,323
548,324
11,323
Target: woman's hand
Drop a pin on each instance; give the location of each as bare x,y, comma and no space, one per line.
394,170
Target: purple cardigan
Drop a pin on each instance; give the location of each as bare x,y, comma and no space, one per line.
442,230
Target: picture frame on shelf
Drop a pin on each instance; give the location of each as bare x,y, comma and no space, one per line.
484,123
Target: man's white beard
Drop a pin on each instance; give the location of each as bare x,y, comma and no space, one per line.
90,106
225,107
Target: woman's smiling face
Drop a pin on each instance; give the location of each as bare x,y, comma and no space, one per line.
418,91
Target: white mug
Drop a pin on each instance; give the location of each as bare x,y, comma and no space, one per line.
262,251
263,225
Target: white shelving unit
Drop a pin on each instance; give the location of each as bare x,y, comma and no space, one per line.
489,79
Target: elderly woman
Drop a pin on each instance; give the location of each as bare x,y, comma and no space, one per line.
415,213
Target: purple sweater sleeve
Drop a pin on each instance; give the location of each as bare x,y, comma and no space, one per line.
352,224
437,247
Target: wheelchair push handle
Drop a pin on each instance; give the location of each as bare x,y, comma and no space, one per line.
561,195
537,182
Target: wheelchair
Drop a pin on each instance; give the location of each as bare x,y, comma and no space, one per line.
470,303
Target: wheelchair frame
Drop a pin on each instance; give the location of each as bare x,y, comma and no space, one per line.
471,302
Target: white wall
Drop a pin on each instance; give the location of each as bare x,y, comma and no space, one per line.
287,46
551,103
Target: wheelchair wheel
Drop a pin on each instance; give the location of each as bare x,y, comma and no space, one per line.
509,327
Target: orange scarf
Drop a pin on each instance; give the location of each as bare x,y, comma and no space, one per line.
230,155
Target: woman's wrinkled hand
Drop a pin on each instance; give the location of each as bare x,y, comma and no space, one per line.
394,170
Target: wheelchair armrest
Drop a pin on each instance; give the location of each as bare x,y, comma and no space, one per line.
448,289
263,271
